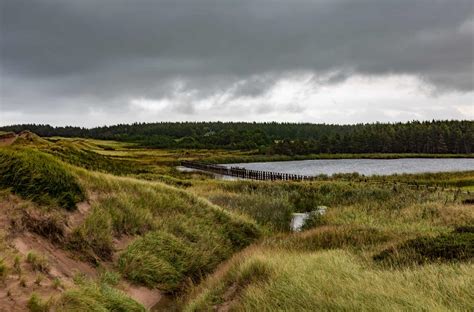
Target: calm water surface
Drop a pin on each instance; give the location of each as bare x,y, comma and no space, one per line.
363,166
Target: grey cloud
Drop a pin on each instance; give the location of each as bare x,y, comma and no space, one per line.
109,51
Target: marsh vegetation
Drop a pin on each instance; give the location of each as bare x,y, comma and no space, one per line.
89,224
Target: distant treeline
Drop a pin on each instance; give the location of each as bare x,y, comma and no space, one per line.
439,137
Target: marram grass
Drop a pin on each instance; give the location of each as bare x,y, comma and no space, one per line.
334,281
178,236
39,177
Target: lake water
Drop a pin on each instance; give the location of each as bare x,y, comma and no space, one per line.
363,166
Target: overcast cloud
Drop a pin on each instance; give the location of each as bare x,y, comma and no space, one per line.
95,62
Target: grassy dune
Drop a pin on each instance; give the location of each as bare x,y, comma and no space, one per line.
185,236
172,238
226,245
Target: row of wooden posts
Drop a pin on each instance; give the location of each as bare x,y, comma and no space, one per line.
245,173
274,176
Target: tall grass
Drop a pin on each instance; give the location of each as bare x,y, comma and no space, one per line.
330,237
94,237
363,221
271,204
40,177
100,297
177,237
181,237
335,281
81,155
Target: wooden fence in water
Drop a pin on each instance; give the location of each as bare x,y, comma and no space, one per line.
245,173
240,172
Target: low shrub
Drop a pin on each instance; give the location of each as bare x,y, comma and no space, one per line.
57,283
17,264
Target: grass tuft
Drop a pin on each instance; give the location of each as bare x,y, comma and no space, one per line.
36,304
93,297
38,262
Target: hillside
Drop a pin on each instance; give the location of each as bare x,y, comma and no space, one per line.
92,225
77,239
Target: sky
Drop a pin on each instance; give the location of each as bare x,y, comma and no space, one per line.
101,62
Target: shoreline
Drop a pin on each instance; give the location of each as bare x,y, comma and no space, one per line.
274,158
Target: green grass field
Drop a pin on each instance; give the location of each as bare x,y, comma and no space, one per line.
384,244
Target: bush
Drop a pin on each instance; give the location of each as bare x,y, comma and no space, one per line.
39,177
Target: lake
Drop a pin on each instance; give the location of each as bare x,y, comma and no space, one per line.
363,166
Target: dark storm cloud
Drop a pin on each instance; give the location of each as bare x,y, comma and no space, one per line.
109,51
